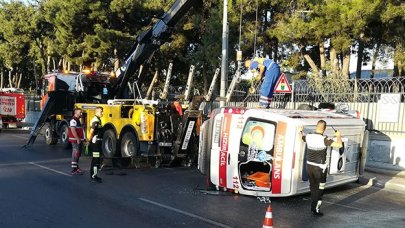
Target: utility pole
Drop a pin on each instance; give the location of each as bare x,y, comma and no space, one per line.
224,59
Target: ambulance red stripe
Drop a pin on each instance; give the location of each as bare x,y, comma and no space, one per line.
223,154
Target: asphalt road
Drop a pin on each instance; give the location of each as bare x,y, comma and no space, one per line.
37,190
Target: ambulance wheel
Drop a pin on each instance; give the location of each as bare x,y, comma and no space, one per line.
109,144
64,137
129,145
49,136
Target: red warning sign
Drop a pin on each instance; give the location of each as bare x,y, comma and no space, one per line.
282,85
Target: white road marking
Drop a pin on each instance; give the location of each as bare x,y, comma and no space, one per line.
37,162
7,146
185,213
18,136
47,168
342,205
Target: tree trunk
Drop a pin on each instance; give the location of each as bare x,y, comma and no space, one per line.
399,66
44,59
275,48
346,64
116,60
311,63
360,53
322,58
64,64
375,55
334,61
19,77
1,79
10,78
205,79
48,63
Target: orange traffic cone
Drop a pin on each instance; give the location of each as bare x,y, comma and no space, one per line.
268,218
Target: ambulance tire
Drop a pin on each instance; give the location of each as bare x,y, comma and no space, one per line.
205,153
49,136
129,145
109,144
64,137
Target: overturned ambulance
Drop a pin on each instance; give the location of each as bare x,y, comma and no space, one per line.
259,152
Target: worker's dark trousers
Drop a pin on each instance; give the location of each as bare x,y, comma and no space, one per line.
96,158
317,180
76,153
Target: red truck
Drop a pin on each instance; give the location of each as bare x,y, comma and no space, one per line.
12,106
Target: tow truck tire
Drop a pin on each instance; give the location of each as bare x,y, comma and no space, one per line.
109,144
129,145
49,136
204,152
64,137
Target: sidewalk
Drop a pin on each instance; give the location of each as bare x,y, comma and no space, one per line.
383,178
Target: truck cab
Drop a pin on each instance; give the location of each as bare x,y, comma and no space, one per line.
59,92
12,107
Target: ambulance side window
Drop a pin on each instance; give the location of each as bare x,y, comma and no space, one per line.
258,135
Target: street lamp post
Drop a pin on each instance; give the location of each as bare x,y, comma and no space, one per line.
224,59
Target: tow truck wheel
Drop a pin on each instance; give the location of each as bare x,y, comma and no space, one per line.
109,147
129,145
49,136
64,136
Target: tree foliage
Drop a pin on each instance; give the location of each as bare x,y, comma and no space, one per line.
304,35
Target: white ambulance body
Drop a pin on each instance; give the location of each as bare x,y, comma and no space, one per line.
259,152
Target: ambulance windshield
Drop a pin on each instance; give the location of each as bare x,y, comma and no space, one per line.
258,136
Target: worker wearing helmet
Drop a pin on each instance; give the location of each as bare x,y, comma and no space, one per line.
271,71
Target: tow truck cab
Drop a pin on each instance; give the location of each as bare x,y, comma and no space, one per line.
259,152
60,91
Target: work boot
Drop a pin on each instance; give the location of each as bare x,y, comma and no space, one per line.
77,171
96,179
317,213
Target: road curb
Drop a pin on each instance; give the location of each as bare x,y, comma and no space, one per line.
385,171
380,184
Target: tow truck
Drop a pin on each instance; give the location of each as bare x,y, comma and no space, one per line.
163,130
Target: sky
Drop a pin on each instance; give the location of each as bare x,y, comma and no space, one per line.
380,65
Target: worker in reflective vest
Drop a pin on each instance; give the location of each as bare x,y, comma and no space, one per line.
271,72
76,138
95,143
317,168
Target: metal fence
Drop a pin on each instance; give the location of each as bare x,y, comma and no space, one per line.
361,95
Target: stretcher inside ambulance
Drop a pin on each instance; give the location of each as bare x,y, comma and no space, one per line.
260,151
